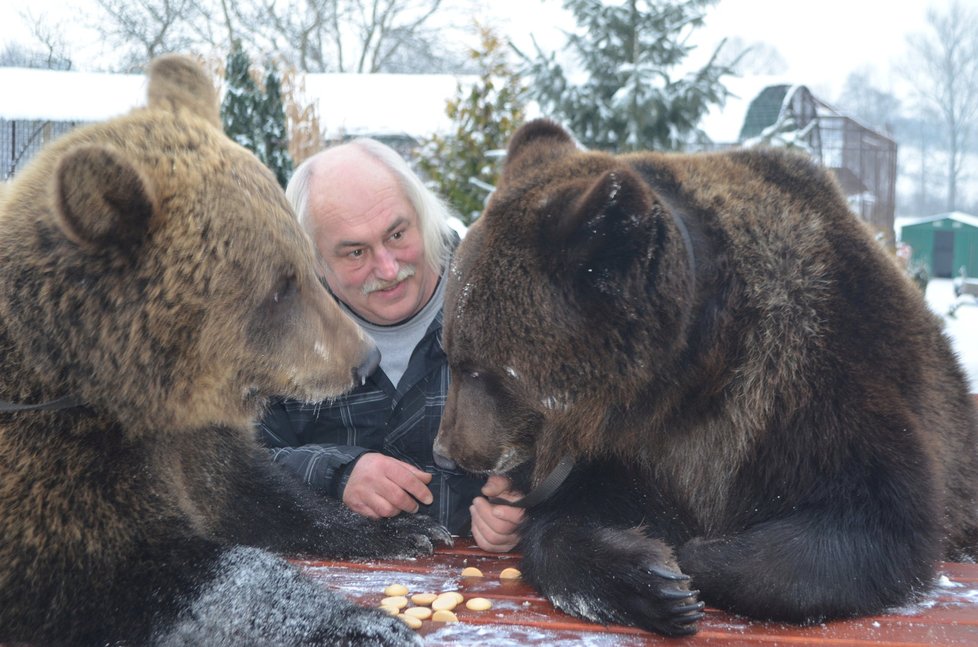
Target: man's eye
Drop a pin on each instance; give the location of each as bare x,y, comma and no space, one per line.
356,253
398,235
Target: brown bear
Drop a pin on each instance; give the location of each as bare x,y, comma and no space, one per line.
760,411
155,290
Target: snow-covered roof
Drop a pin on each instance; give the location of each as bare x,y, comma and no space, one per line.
957,216
383,104
52,95
349,104
722,124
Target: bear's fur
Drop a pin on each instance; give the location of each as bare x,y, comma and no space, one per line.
152,271
755,396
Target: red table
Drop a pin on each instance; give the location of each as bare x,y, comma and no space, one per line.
520,616
948,615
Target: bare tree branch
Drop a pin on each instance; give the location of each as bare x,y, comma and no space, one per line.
944,69
146,29
310,35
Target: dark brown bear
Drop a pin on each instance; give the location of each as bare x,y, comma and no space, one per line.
152,273
759,405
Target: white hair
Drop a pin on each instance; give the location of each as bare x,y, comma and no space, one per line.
433,213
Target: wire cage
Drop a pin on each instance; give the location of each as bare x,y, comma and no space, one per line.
863,161
865,164
21,139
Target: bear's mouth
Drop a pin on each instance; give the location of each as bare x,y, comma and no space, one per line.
510,459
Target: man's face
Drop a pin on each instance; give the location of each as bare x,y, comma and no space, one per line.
368,235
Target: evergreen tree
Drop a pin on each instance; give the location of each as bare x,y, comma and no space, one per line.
274,132
484,115
242,101
255,117
628,98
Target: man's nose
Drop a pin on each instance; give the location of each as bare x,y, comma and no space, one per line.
385,265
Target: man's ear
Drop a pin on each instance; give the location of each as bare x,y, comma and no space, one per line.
599,232
101,199
536,143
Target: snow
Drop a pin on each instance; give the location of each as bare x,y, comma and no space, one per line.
349,104
958,216
458,226
962,328
722,124
51,95
383,104
945,593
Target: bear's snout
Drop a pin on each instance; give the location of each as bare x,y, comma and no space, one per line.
371,361
441,459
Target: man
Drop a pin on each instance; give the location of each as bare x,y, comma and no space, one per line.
384,244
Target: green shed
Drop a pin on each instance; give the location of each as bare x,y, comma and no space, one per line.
944,243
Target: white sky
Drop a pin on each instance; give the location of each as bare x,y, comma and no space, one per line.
822,42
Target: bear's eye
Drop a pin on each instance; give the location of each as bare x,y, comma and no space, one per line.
474,373
284,289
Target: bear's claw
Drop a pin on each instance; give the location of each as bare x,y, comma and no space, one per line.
678,594
666,573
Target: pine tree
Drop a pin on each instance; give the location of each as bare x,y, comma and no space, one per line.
242,101
484,115
255,117
274,132
628,99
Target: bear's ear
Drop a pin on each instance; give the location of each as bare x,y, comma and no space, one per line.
536,143
600,231
178,82
102,200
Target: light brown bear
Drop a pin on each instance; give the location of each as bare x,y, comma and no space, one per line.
757,403
156,288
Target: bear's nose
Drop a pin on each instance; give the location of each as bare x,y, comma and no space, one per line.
444,462
369,364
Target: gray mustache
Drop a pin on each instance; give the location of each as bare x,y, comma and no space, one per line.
372,285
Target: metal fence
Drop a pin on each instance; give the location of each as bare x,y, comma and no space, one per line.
20,140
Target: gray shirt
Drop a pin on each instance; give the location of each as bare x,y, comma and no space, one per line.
397,342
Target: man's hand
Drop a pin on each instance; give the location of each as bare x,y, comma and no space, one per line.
494,527
381,486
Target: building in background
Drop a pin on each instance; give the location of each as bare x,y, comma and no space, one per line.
37,106
944,243
768,112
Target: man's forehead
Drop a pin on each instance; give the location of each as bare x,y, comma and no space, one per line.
363,223
355,197
356,236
